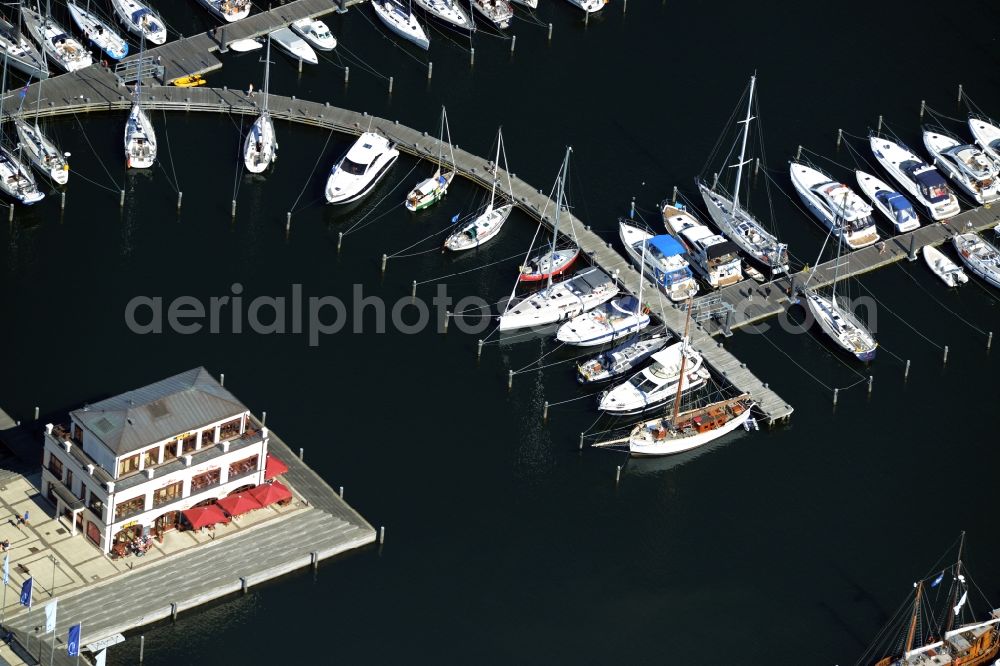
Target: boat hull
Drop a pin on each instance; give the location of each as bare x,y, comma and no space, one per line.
564,259
871,186
368,187
418,199
838,325
671,445
979,257
260,147
410,30
42,153
486,226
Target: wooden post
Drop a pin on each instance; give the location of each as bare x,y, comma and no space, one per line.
302,453
62,201
390,85
385,258
233,213
347,75
673,200
631,212
180,197
36,413
836,392
314,560
288,221
550,32
479,349
472,57
840,137
798,154
513,42
624,5
340,240
430,70
945,355
906,371
581,441
381,535
545,411
912,256
300,65
10,217
586,19
879,131
121,199
989,341
341,492
959,93
756,168
142,647
413,292
618,475
447,318
263,418
510,379
870,380
173,612
923,105
715,180
222,379
243,584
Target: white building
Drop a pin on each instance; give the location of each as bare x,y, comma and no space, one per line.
132,463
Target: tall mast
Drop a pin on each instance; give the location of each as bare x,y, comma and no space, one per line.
642,279
743,147
496,168
560,191
680,377
839,219
38,99
954,595
440,140
267,72
913,621
447,131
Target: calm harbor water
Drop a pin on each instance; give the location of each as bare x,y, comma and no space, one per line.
505,543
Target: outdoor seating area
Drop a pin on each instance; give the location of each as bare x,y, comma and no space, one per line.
242,501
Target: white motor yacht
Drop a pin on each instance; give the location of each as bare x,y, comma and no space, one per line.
716,259
893,205
987,135
294,46
969,167
663,263
608,322
316,33
360,169
923,182
836,205
655,385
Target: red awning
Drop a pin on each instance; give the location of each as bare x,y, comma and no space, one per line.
269,493
203,516
273,467
237,505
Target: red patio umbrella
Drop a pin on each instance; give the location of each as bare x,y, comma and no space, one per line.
237,505
203,516
269,493
273,467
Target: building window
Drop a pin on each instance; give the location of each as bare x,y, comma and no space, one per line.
206,480
130,507
169,451
94,533
55,466
167,494
151,457
96,505
128,465
69,479
208,437
242,467
188,442
230,430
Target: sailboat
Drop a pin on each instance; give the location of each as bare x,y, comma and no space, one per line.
940,637
20,52
739,225
430,190
843,327
552,260
487,224
97,31
42,153
140,137
683,431
260,149
616,319
589,6
498,12
16,180
559,301
402,21
64,50
141,20
449,12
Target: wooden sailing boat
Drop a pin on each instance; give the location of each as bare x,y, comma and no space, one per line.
430,190
260,149
684,431
933,642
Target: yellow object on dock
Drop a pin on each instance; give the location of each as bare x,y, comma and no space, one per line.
188,81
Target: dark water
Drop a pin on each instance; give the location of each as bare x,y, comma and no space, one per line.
504,543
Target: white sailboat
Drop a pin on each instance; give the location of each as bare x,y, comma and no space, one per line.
554,259
140,137
920,179
739,225
530,4
946,269
98,31
987,135
589,6
402,21
63,49
141,20
228,10
260,149
41,152
896,208
836,205
663,263
21,54
16,180
316,33
430,190
498,12
968,166
294,45
980,257
716,259
360,169
559,301
486,224
449,12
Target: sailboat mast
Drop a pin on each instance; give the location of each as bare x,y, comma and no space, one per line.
913,621
560,191
496,168
38,98
267,73
642,278
743,147
440,140
838,220
680,377
954,594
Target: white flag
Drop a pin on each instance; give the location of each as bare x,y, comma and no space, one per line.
961,602
50,616
100,657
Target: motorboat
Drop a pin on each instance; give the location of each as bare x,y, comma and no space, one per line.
431,189
497,12
401,20
41,152
449,12
560,301
713,257
245,45
486,224
655,385
530,4
987,135
98,32
63,49
836,205
360,169
294,45
894,206
946,269
228,10
690,429
921,180
970,168
141,20
260,148
316,33
589,6
16,180
661,259
21,54
620,360
980,257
